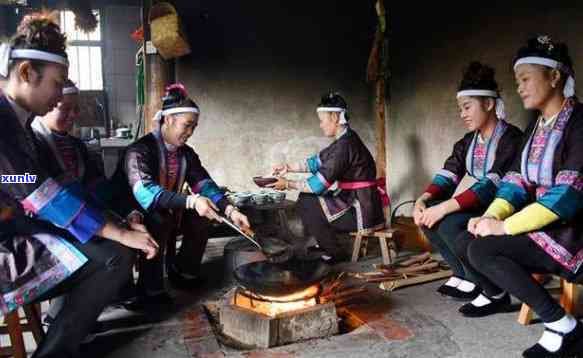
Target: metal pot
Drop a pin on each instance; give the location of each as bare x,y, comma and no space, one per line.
280,279
238,252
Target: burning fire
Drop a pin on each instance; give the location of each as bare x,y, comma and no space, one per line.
275,306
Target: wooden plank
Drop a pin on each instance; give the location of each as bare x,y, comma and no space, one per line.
384,251
356,248
383,233
569,296
525,315
393,285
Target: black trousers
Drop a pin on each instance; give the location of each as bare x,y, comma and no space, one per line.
506,263
443,234
316,223
87,292
163,227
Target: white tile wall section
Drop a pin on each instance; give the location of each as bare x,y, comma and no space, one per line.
119,57
126,88
124,61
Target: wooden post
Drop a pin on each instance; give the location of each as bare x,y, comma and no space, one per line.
156,74
381,148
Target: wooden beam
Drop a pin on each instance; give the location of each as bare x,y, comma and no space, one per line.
381,140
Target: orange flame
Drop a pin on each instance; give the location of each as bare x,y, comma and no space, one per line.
275,306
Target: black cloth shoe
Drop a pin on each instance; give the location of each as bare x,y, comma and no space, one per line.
459,295
569,342
501,304
181,282
146,302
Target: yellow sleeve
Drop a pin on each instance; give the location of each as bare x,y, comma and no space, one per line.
531,218
500,209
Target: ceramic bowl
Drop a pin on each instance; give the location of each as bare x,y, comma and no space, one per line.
276,196
263,181
260,199
241,198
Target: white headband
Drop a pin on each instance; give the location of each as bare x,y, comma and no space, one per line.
342,111
500,108
176,110
479,93
70,90
569,90
7,54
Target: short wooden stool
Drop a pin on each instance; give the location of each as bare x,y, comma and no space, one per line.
14,327
569,298
386,242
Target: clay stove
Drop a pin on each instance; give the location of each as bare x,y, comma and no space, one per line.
267,321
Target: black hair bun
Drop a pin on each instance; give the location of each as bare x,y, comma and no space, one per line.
40,31
175,94
544,46
333,99
479,76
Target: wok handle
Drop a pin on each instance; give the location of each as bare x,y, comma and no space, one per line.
240,231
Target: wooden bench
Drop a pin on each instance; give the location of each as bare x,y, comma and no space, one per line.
386,242
385,236
15,327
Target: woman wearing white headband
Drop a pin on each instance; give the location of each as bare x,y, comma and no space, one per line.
535,224
52,240
152,174
59,146
346,162
68,156
484,153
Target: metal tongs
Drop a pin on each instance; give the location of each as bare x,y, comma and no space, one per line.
275,250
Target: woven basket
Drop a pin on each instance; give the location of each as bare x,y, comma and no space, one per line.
167,35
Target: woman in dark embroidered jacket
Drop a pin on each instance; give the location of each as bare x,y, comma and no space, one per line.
151,176
485,153
342,192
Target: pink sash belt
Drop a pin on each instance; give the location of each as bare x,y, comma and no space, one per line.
380,184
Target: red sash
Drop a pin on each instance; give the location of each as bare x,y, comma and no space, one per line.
380,184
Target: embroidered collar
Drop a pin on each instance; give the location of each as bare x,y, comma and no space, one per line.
169,147
548,123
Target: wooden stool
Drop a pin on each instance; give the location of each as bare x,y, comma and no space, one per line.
569,296
386,242
15,328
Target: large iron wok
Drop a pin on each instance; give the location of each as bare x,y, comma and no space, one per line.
267,278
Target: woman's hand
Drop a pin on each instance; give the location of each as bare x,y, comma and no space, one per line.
140,240
203,206
418,210
280,184
280,170
490,227
433,215
239,219
473,223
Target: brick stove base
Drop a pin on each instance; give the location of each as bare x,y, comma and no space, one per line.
262,331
